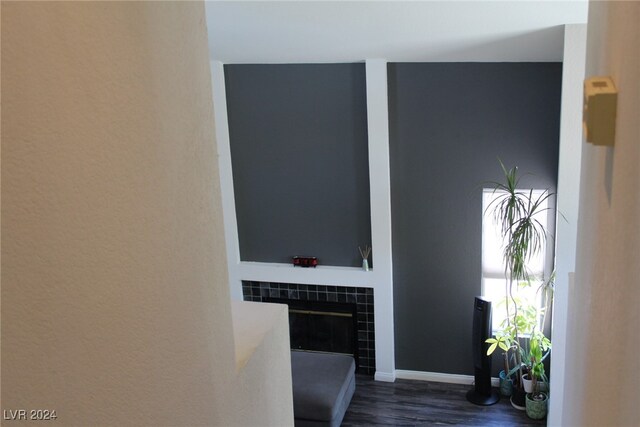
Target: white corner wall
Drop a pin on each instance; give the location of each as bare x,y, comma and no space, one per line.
575,39
115,299
602,341
380,188
226,179
263,356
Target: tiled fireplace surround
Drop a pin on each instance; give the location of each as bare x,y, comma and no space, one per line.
362,297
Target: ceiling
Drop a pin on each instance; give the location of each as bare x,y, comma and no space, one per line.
399,31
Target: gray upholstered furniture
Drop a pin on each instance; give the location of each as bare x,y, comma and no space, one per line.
323,385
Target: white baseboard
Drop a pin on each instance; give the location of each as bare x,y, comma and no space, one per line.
439,377
385,376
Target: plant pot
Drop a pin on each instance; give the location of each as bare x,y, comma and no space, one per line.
506,384
536,408
527,383
518,399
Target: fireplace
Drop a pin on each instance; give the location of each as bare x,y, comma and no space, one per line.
328,327
333,319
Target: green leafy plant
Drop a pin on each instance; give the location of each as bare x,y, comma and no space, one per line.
524,237
539,345
539,348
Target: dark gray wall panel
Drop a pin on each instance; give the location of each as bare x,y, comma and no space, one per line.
300,160
449,122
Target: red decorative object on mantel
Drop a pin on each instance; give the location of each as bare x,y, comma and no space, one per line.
305,261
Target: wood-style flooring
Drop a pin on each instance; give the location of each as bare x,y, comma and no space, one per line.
421,403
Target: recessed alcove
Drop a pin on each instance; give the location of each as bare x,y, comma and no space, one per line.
345,301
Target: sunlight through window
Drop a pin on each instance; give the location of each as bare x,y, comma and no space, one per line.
494,282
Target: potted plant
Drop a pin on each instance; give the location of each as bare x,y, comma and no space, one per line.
504,340
513,340
524,237
539,350
536,400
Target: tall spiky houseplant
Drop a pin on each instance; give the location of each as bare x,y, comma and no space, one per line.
524,237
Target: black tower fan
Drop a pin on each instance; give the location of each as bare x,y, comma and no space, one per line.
482,393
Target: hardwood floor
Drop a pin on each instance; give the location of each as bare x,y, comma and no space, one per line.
420,403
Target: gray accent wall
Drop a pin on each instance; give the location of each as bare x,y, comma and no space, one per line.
449,122
298,135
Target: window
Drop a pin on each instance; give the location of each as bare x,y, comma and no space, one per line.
494,284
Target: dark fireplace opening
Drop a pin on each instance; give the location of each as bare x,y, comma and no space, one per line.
329,327
358,332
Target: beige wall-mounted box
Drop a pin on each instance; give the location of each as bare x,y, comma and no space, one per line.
599,118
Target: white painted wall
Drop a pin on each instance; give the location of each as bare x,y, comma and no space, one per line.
602,341
263,393
575,39
380,189
226,178
115,298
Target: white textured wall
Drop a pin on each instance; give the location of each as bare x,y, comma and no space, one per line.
265,392
575,39
602,345
115,301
